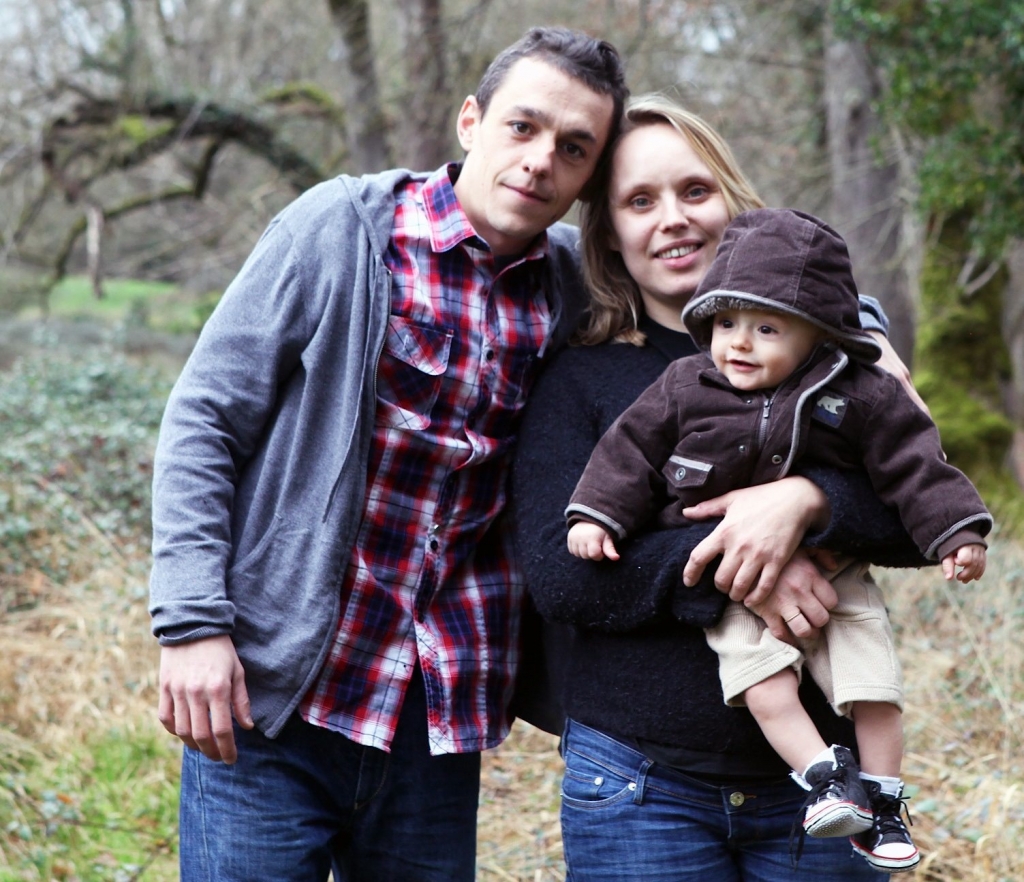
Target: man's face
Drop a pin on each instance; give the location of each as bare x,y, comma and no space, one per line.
529,156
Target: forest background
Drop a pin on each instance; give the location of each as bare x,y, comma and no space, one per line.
145,144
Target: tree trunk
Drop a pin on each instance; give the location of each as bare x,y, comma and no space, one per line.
865,187
1013,335
364,113
425,129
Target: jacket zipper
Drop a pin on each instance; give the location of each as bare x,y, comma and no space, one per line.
766,413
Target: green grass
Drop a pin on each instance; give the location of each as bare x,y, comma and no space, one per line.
106,811
73,297
160,306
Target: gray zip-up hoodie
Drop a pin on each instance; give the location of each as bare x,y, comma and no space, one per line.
260,467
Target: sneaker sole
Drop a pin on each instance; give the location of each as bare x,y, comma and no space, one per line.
888,865
841,819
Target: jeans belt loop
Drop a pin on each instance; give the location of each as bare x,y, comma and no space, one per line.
641,781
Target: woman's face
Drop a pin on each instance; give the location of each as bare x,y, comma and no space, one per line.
668,215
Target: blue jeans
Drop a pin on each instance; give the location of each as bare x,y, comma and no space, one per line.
626,817
312,801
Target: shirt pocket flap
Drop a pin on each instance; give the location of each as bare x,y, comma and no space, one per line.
420,346
685,473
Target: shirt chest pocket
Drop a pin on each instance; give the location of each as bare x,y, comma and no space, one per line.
414,359
685,474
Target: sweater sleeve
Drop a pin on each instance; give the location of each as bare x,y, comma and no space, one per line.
560,429
861,525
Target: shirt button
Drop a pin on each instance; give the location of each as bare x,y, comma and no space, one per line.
489,355
743,448
680,474
736,799
434,544
776,459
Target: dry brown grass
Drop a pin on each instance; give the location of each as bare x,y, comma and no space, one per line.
79,659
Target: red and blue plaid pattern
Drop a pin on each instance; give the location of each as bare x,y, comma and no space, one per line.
431,580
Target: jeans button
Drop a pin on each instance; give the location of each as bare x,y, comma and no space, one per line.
736,799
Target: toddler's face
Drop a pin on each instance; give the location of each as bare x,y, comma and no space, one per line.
756,349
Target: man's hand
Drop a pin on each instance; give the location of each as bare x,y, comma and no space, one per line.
761,529
799,604
201,685
892,363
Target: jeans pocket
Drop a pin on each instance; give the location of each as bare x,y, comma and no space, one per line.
589,784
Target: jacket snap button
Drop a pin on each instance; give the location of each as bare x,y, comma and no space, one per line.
776,459
736,799
680,474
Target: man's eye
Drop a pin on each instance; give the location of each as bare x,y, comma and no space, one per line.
521,128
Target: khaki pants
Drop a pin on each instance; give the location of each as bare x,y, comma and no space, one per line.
853,658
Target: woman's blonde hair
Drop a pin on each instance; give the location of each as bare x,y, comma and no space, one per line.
615,304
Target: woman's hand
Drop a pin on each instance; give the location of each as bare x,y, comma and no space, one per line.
799,604
761,528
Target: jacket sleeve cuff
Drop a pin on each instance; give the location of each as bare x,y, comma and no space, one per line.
186,634
958,540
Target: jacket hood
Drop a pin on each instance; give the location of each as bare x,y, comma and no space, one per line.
785,261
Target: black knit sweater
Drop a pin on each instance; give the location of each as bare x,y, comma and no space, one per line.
635,663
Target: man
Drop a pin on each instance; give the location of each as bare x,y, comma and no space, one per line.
330,467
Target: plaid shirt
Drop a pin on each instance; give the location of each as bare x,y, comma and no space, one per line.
431,580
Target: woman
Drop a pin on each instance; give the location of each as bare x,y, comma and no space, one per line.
662,780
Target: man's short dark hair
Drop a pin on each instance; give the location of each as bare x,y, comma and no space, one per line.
595,63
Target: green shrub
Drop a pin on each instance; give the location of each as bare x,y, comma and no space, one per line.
76,460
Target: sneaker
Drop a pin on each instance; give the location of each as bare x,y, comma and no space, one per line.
887,846
838,804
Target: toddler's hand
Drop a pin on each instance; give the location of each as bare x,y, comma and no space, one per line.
591,542
971,560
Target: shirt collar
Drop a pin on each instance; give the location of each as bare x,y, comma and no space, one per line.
449,225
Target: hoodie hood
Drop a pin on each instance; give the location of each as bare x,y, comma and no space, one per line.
781,260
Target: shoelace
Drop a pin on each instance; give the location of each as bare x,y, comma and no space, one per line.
888,811
797,833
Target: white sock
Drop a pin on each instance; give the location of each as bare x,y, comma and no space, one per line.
828,755
890,786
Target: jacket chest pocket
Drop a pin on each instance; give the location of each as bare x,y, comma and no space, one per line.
684,473
414,359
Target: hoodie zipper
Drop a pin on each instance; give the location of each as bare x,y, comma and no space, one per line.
376,371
